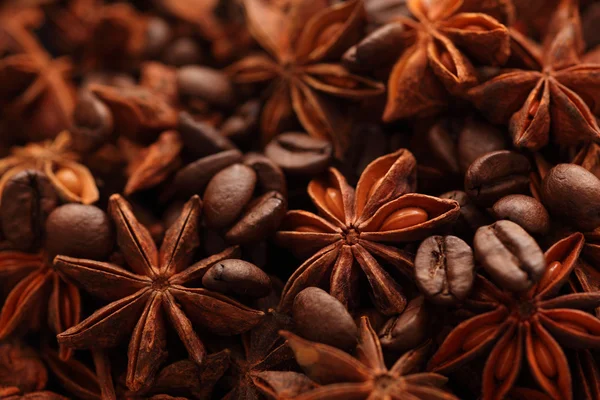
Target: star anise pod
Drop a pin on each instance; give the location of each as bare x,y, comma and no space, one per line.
531,325
37,292
554,96
441,44
349,237
72,181
305,39
35,93
366,376
140,298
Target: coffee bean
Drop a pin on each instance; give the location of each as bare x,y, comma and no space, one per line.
525,211
409,329
263,217
243,122
320,317
510,255
477,138
206,84
183,51
299,154
200,139
572,193
495,175
158,34
237,277
269,175
370,54
444,269
80,231
193,178
227,194
27,200
92,122
471,217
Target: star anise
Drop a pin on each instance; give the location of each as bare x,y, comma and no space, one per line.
526,325
35,92
554,96
441,43
72,181
37,292
155,286
350,235
305,39
366,376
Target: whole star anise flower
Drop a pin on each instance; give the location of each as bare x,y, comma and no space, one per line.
526,325
440,43
35,93
73,181
554,96
140,298
36,292
305,39
354,227
366,376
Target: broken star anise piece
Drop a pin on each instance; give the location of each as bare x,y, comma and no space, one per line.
152,295
305,39
531,325
366,376
72,180
350,235
555,97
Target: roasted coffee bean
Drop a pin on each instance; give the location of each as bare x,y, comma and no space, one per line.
243,122
27,200
572,193
495,175
526,211
206,84
409,329
320,317
200,139
193,178
158,35
263,217
92,123
227,194
477,138
511,257
381,47
237,277
269,175
300,154
183,51
444,269
81,231
471,217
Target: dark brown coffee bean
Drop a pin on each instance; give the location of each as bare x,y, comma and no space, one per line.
183,51
92,123
381,47
572,193
409,329
299,154
227,194
206,84
262,218
237,277
200,139
193,178
477,138
511,257
444,269
471,217
525,211
158,34
495,175
80,231
244,121
322,318
27,200
270,176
